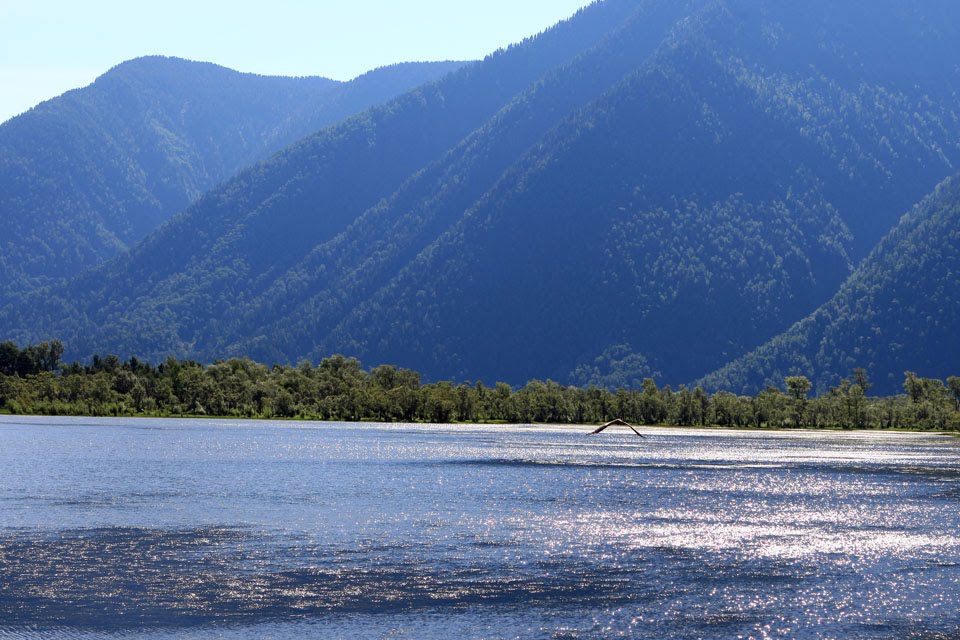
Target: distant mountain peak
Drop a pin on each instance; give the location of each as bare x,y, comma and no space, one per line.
88,174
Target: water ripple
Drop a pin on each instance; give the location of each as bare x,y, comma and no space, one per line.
172,529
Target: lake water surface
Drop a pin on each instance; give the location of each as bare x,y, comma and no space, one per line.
226,529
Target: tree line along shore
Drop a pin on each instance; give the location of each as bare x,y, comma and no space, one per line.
33,381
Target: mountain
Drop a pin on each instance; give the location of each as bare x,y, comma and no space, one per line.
651,187
898,312
85,176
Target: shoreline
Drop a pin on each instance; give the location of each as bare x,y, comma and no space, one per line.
499,423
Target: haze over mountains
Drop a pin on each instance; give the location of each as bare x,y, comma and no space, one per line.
85,176
654,187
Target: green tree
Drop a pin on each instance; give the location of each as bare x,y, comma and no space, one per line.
9,355
913,386
953,383
861,379
856,406
653,409
770,408
441,402
798,387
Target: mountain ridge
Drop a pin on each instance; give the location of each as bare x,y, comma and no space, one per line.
648,188
570,312
86,175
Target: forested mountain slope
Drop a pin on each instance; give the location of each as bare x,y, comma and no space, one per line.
684,215
900,311
251,230
86,175
653,187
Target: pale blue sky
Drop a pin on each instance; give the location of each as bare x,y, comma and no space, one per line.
50,46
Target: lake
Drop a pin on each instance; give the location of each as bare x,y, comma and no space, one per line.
114,528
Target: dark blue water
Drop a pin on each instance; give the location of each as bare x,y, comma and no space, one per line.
196,529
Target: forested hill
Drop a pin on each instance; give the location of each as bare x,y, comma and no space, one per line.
86,175
900,311
650,188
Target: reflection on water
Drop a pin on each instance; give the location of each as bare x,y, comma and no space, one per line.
171,529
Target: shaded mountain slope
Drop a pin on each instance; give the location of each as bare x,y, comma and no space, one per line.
157,299
689,211
312,297
899,311
86,175
650,187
